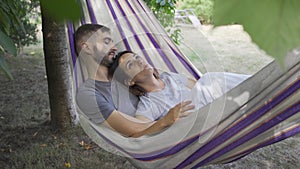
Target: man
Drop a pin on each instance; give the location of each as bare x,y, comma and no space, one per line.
96,50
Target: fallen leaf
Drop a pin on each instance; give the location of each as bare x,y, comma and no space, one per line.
43,145
81,143
35,133
67,164
61,144
87,146
54,137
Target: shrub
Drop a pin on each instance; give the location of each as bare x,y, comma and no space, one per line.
164,10
29,16
203,9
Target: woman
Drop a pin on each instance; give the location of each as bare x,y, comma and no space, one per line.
160,92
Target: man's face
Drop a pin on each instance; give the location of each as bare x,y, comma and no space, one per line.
102,48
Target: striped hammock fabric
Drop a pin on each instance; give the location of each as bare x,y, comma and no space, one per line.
262,110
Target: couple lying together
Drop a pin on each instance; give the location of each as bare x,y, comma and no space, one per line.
159,99
158,93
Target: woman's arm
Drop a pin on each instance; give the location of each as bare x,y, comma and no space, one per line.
191,83
187,81
133,127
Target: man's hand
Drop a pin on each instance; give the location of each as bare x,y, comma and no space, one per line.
180,110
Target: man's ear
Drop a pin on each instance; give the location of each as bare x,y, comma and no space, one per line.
128,82
85,48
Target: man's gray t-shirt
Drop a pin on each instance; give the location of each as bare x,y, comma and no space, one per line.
95,100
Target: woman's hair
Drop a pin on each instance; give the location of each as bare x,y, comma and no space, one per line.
121,76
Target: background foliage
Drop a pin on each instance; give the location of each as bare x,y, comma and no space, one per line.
203,9
273,25
164,10
29,14
8,21
19,20
16,28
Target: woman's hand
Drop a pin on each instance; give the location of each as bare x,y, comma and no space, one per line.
180,110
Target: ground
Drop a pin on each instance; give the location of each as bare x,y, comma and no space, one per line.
28,140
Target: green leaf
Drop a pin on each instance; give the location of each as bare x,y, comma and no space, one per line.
274,25
4,17
7,44
4,66
62,9
14,15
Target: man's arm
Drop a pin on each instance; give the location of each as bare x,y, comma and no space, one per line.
143,118
133,127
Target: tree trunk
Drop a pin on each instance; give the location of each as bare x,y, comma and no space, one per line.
58,72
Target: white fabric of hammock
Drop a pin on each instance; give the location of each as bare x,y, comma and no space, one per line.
260,111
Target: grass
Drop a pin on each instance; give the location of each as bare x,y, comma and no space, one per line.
222,49
41,147
27,139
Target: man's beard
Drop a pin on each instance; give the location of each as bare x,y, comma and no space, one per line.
106,61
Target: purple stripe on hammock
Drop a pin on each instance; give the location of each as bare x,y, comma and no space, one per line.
167,151
71,42
179,56
82,20
142,7
241,125
294,109
81,70
173,151
160,153
154,42
118,25
107,140
273,140
137,39
93,19
185,64
164,152
73,53
91,12
149,157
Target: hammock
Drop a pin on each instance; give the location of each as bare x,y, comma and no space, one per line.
262,110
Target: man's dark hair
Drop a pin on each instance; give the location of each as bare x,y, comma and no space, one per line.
84,32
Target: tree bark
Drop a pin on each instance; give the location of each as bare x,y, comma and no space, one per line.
58,72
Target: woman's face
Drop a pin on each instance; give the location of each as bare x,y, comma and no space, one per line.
135,67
